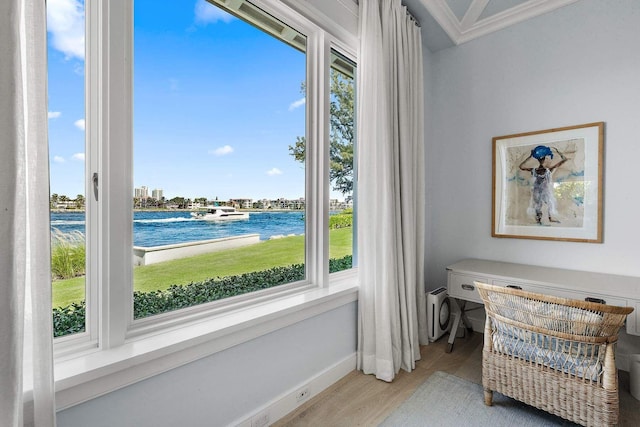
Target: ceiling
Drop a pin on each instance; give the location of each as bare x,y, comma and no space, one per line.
447,23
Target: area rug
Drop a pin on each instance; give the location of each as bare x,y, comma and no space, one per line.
446,400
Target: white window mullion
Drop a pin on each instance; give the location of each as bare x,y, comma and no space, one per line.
319,51
93,95
113,30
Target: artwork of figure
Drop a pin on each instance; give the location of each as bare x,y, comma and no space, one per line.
542,187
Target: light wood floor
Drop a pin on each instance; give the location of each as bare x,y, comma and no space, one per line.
362,400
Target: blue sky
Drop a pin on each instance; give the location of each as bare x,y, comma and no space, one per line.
216,103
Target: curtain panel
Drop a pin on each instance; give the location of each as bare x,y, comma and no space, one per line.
392,319
26,343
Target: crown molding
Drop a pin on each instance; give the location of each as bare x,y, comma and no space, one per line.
445,17
467,30
351,6
511,16
473,13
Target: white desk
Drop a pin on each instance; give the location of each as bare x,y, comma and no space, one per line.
607,288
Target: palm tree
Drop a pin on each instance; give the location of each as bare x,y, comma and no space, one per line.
53,201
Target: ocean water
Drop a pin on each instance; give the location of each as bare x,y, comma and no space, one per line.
170,227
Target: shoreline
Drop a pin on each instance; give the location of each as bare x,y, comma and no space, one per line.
180,210
147,255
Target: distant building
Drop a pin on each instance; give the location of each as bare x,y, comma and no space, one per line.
241,203
337,205
287,204
297,204
66,204
141,192
157,194
262,204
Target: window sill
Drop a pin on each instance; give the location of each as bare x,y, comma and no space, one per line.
95,373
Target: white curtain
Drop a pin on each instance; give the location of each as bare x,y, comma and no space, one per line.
26,360
391,219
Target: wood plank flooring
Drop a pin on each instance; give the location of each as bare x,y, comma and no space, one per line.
362,400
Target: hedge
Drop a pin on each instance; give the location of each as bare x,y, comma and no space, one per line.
341,220
70,319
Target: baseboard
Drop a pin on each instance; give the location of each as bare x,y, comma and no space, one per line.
477,324
477,319
288,401
622,362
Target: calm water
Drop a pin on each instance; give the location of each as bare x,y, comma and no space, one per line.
164,228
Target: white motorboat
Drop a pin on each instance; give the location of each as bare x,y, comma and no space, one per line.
219,213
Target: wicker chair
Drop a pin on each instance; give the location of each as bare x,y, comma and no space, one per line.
552,353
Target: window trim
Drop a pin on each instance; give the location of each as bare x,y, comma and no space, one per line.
84,376
108,354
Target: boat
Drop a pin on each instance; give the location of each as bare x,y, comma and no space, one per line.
219,213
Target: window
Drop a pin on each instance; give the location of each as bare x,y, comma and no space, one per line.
66,56
196,199
216,98
342,139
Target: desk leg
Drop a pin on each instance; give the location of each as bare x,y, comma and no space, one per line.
458,316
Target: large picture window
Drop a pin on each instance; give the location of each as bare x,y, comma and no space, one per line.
219,202
195,179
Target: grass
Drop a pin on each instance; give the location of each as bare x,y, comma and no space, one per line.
67,254
261,256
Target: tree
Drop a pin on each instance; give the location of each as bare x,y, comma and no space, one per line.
178,201
79,201
341,133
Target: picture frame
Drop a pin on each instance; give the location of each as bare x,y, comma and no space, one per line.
547,185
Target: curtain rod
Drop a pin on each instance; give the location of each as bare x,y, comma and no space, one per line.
410,15
413,18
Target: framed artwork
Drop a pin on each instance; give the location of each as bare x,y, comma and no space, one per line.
547,185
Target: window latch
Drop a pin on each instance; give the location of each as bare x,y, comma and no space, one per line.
94,179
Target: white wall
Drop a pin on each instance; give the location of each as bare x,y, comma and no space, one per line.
229,385
579,64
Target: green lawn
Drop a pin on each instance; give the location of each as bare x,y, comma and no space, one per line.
261,256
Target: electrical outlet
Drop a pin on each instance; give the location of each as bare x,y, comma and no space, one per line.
261,420
302,394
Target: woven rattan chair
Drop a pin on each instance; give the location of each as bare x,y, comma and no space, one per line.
555,354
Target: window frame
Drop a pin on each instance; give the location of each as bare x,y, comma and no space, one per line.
109,153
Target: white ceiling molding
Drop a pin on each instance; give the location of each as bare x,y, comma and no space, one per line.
473,13
471,28
351,5
444,16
